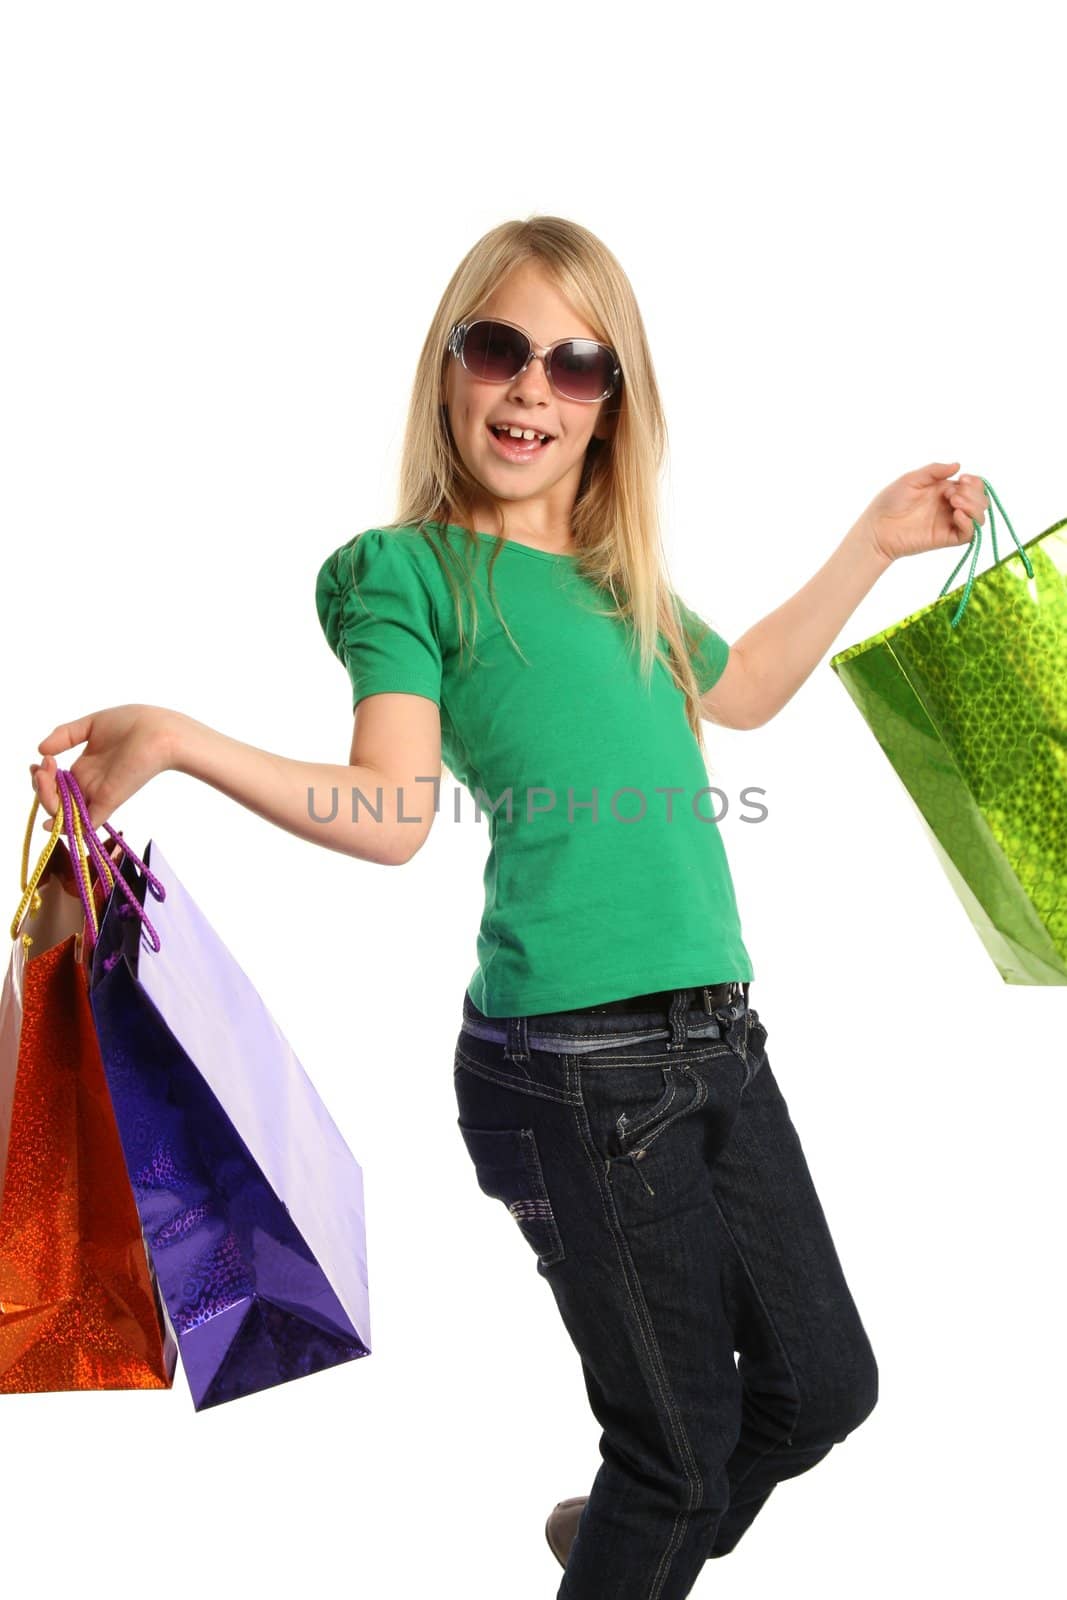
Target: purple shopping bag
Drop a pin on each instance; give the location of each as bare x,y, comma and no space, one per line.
251,1203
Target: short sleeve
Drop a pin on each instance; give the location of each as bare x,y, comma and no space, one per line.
377,614
708,651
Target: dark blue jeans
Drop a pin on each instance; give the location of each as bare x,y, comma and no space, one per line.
650,1163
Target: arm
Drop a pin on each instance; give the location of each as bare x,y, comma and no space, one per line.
921,511
768,664
395,764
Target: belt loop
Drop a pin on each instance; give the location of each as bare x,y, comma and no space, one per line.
745,987
705,996
517,1047
678,1019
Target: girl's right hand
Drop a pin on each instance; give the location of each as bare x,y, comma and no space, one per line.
125,746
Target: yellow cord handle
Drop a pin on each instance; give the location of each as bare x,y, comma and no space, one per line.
31,897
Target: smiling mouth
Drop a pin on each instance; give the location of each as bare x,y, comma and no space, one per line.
517,449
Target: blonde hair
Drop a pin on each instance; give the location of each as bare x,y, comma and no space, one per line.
615,519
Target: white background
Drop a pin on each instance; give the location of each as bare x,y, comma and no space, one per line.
225,230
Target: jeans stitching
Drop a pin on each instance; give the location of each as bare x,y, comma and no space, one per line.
536,1173
513,1061
643,1318
694,1057
534,1217
782,1346
579,1043
700,1095
466,1064
662,1106
695,1104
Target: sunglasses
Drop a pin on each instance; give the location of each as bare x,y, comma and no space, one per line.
497,351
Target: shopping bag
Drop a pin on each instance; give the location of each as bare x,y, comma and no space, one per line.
969,702
79,1306
250,1199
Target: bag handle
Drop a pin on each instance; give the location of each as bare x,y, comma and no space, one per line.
30,895
977,542
84,832
82,876
73,813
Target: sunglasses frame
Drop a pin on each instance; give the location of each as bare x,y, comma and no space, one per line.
458,337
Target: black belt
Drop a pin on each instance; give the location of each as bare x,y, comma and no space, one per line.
719,994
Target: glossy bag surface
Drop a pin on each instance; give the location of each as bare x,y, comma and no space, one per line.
251,1201
79,1307
973,718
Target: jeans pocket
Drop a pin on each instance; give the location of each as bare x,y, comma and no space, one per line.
508,1167
647,1107
645,1122
632,1102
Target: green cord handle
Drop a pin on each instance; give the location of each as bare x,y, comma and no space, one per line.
977,543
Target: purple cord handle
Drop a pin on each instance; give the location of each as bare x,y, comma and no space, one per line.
73,799
73,826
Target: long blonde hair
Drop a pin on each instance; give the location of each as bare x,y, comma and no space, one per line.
615,520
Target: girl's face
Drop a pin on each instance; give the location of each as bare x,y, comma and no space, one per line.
543,486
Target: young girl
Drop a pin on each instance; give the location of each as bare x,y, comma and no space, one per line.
612,1080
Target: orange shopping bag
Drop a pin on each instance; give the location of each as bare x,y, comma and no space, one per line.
79,1304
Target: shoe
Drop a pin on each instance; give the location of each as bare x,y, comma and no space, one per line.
562,1525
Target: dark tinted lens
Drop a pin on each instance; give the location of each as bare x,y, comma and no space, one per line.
494,351
582,370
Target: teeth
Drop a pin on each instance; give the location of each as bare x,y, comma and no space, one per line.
518,433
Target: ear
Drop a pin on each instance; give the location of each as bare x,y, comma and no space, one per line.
606,423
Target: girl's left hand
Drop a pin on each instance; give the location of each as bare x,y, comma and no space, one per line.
925,510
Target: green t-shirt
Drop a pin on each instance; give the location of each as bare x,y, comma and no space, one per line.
582,906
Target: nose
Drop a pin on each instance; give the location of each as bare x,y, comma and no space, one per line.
532,383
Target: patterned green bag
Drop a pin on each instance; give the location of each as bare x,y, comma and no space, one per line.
970,707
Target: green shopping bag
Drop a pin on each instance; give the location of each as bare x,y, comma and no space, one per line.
969,702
